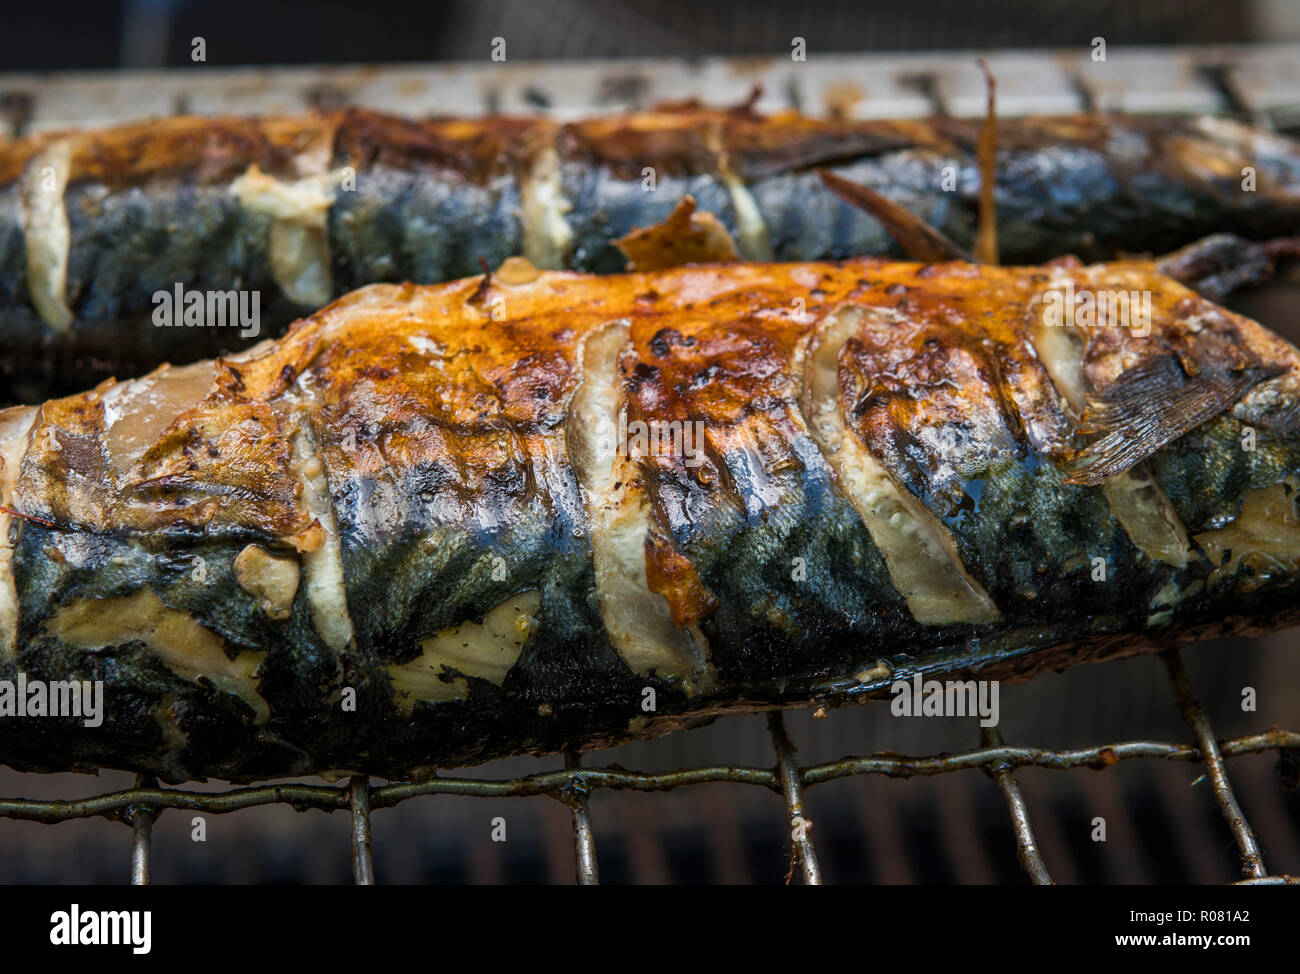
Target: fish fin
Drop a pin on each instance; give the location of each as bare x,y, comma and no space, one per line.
1218,265
919,240
1152,404
986,236
686,237
746,109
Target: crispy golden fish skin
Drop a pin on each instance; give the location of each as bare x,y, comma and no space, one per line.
542,511
99,229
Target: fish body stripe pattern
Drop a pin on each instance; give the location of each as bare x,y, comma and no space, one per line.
298,210
410,533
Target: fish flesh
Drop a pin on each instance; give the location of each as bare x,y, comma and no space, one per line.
532,512
181,239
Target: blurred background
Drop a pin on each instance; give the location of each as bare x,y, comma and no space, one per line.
863,59
157,33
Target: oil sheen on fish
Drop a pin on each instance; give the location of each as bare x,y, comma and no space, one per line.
541,511
95,226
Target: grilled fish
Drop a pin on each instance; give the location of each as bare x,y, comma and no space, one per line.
539,511
128,247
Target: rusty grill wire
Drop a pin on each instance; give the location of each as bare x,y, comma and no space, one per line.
139,807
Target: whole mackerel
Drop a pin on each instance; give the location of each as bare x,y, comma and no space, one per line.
180,239
544,511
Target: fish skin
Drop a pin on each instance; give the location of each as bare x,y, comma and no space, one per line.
430,199
445,440
149,204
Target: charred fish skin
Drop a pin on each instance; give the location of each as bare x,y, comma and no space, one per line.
788,572
616,178
968,421
26,367
1080,185
481,508
409,535
216,720
426,201
109,221
801,219
94,225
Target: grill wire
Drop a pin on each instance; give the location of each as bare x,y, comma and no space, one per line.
139,807
1255,86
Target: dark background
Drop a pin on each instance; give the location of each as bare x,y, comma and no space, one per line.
157,33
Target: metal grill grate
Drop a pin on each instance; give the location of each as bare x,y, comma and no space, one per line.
140,806
1258,82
